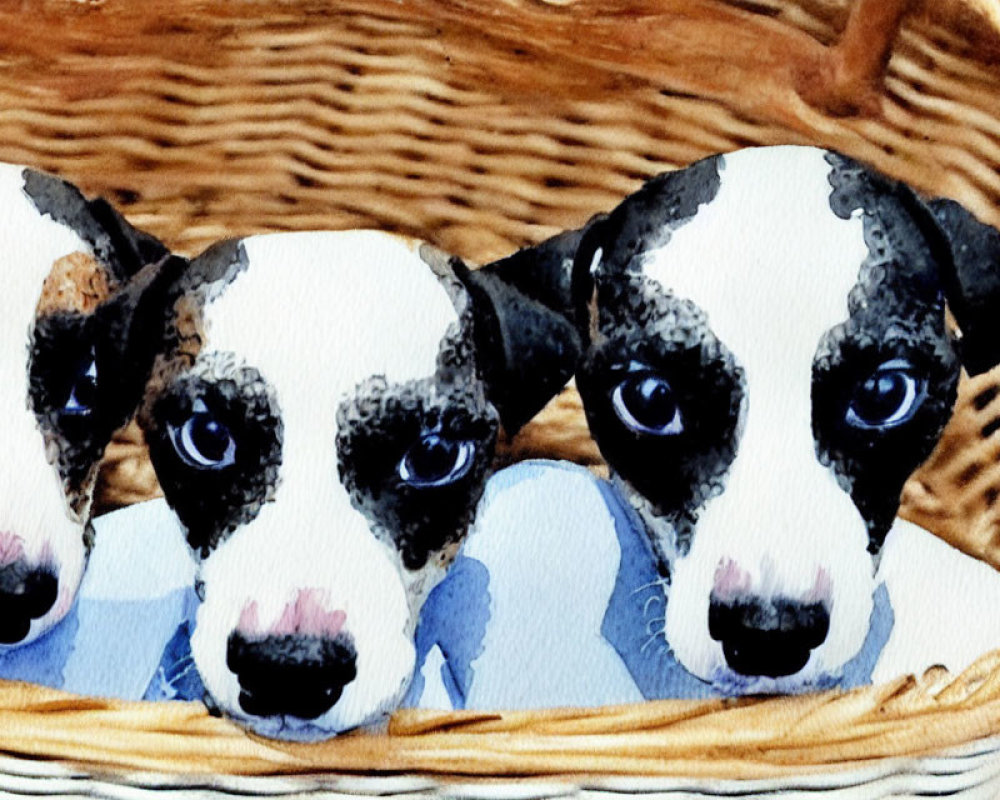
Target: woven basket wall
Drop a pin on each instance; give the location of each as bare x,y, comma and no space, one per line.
483,125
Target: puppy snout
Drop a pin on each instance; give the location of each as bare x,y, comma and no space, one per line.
11,548
767,637
26,593
298,675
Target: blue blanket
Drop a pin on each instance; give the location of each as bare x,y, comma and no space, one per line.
512,625
135,595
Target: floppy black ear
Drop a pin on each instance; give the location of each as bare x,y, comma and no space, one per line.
972,287
131,329
542,272
527,343
119,246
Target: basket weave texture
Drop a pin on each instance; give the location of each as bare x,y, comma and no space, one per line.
483,125
743,738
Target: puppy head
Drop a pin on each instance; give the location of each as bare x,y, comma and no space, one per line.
323,423
767,363
68,384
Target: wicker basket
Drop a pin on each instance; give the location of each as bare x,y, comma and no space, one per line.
482,125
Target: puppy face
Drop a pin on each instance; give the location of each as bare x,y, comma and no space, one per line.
322,429
768,364
65,386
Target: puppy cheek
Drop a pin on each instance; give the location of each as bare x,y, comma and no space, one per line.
58,545
385,664
853,584
72,564
209,643
686,626
381,619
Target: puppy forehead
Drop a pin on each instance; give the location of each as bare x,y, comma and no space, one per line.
30,244
767,259
336,306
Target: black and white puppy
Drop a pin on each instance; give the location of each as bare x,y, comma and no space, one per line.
69,382
322,422
766,363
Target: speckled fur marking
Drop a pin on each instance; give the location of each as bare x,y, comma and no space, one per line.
212,505
765,305
322,410
896,311
71,373
374,429
672,336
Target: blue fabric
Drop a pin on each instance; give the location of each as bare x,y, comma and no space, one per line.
858,671
459,635
636,612
176,677
103,648
457,613
100,670
135,594
43,660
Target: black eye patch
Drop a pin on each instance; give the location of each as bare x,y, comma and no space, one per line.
662,396
216,447
414,457
646,403
884,382
68,378
883,389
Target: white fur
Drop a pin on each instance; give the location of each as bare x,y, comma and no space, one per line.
317,313
543,540
32,502
772,266
318,547
939,596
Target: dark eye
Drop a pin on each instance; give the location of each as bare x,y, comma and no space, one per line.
202,441
436,460
888,397
646,403
83,393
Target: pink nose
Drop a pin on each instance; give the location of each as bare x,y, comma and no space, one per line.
732,582
11,548
306,615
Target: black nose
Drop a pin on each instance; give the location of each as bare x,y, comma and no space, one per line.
767,637
294,675
25,594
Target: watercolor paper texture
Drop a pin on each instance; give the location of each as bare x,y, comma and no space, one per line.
565,580
71,267
326,468
766,362
761,345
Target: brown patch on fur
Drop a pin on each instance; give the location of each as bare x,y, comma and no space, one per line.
126,475
592,310
80,496
77,282
189,327
187,336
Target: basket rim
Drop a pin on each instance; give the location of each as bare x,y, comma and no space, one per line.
731,738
